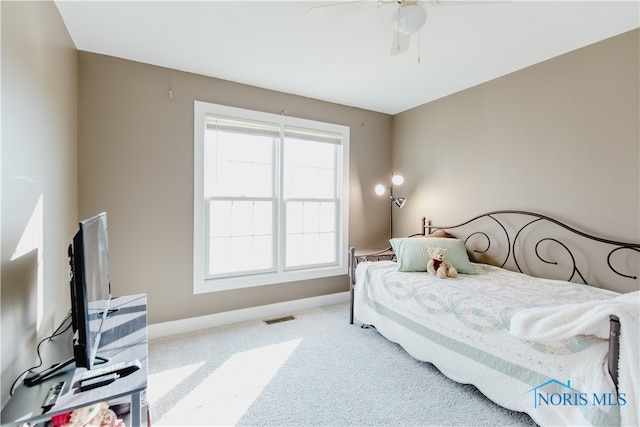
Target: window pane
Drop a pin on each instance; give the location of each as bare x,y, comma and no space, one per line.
326,248
309,169
220,218
295,217
240,249
261,253
262,218
242,218
219,256
310,231
295,252
238,164
240,236
310,248
311,217
327,217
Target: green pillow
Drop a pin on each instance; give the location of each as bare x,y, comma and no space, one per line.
412,255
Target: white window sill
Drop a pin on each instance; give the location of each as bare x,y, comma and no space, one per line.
249,281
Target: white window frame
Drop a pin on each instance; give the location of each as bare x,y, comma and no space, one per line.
202,284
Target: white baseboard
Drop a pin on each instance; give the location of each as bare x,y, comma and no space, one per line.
164,329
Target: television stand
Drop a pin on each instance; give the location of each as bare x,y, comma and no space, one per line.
124,340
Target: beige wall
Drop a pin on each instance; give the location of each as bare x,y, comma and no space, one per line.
559,138
136,163
39,206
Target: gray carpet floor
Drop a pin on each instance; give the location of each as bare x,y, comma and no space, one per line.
315,370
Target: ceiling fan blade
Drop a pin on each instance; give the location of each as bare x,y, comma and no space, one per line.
466,2
400,42
332,9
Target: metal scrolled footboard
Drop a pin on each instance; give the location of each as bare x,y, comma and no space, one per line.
504,238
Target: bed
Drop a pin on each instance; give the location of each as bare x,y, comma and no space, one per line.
524,321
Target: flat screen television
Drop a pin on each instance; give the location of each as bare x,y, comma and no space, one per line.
90,289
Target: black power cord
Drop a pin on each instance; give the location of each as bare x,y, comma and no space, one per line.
57,332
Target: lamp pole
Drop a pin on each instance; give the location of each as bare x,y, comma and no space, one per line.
398,201
391,210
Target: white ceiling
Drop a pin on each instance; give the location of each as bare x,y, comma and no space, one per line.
344,57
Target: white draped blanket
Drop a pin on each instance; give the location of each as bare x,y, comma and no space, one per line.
462,325
552,324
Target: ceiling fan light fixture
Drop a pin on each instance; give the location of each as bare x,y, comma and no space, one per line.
409,18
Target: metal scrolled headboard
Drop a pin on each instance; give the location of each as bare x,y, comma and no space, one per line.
516,233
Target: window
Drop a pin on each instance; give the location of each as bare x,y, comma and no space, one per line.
270,199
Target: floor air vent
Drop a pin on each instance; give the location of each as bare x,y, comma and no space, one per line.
278,320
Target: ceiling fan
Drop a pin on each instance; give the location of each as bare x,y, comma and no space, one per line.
409,17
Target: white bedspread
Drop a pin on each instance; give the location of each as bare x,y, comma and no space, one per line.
462,326
552,324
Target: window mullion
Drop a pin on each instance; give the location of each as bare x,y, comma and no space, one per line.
338,196
281,230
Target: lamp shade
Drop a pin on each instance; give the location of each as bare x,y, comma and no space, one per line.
380,189
409,18
398,201
397,180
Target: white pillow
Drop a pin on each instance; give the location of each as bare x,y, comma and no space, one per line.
412,255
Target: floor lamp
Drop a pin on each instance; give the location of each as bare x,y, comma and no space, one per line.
393,200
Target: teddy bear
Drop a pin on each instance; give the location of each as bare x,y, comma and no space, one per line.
438,265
